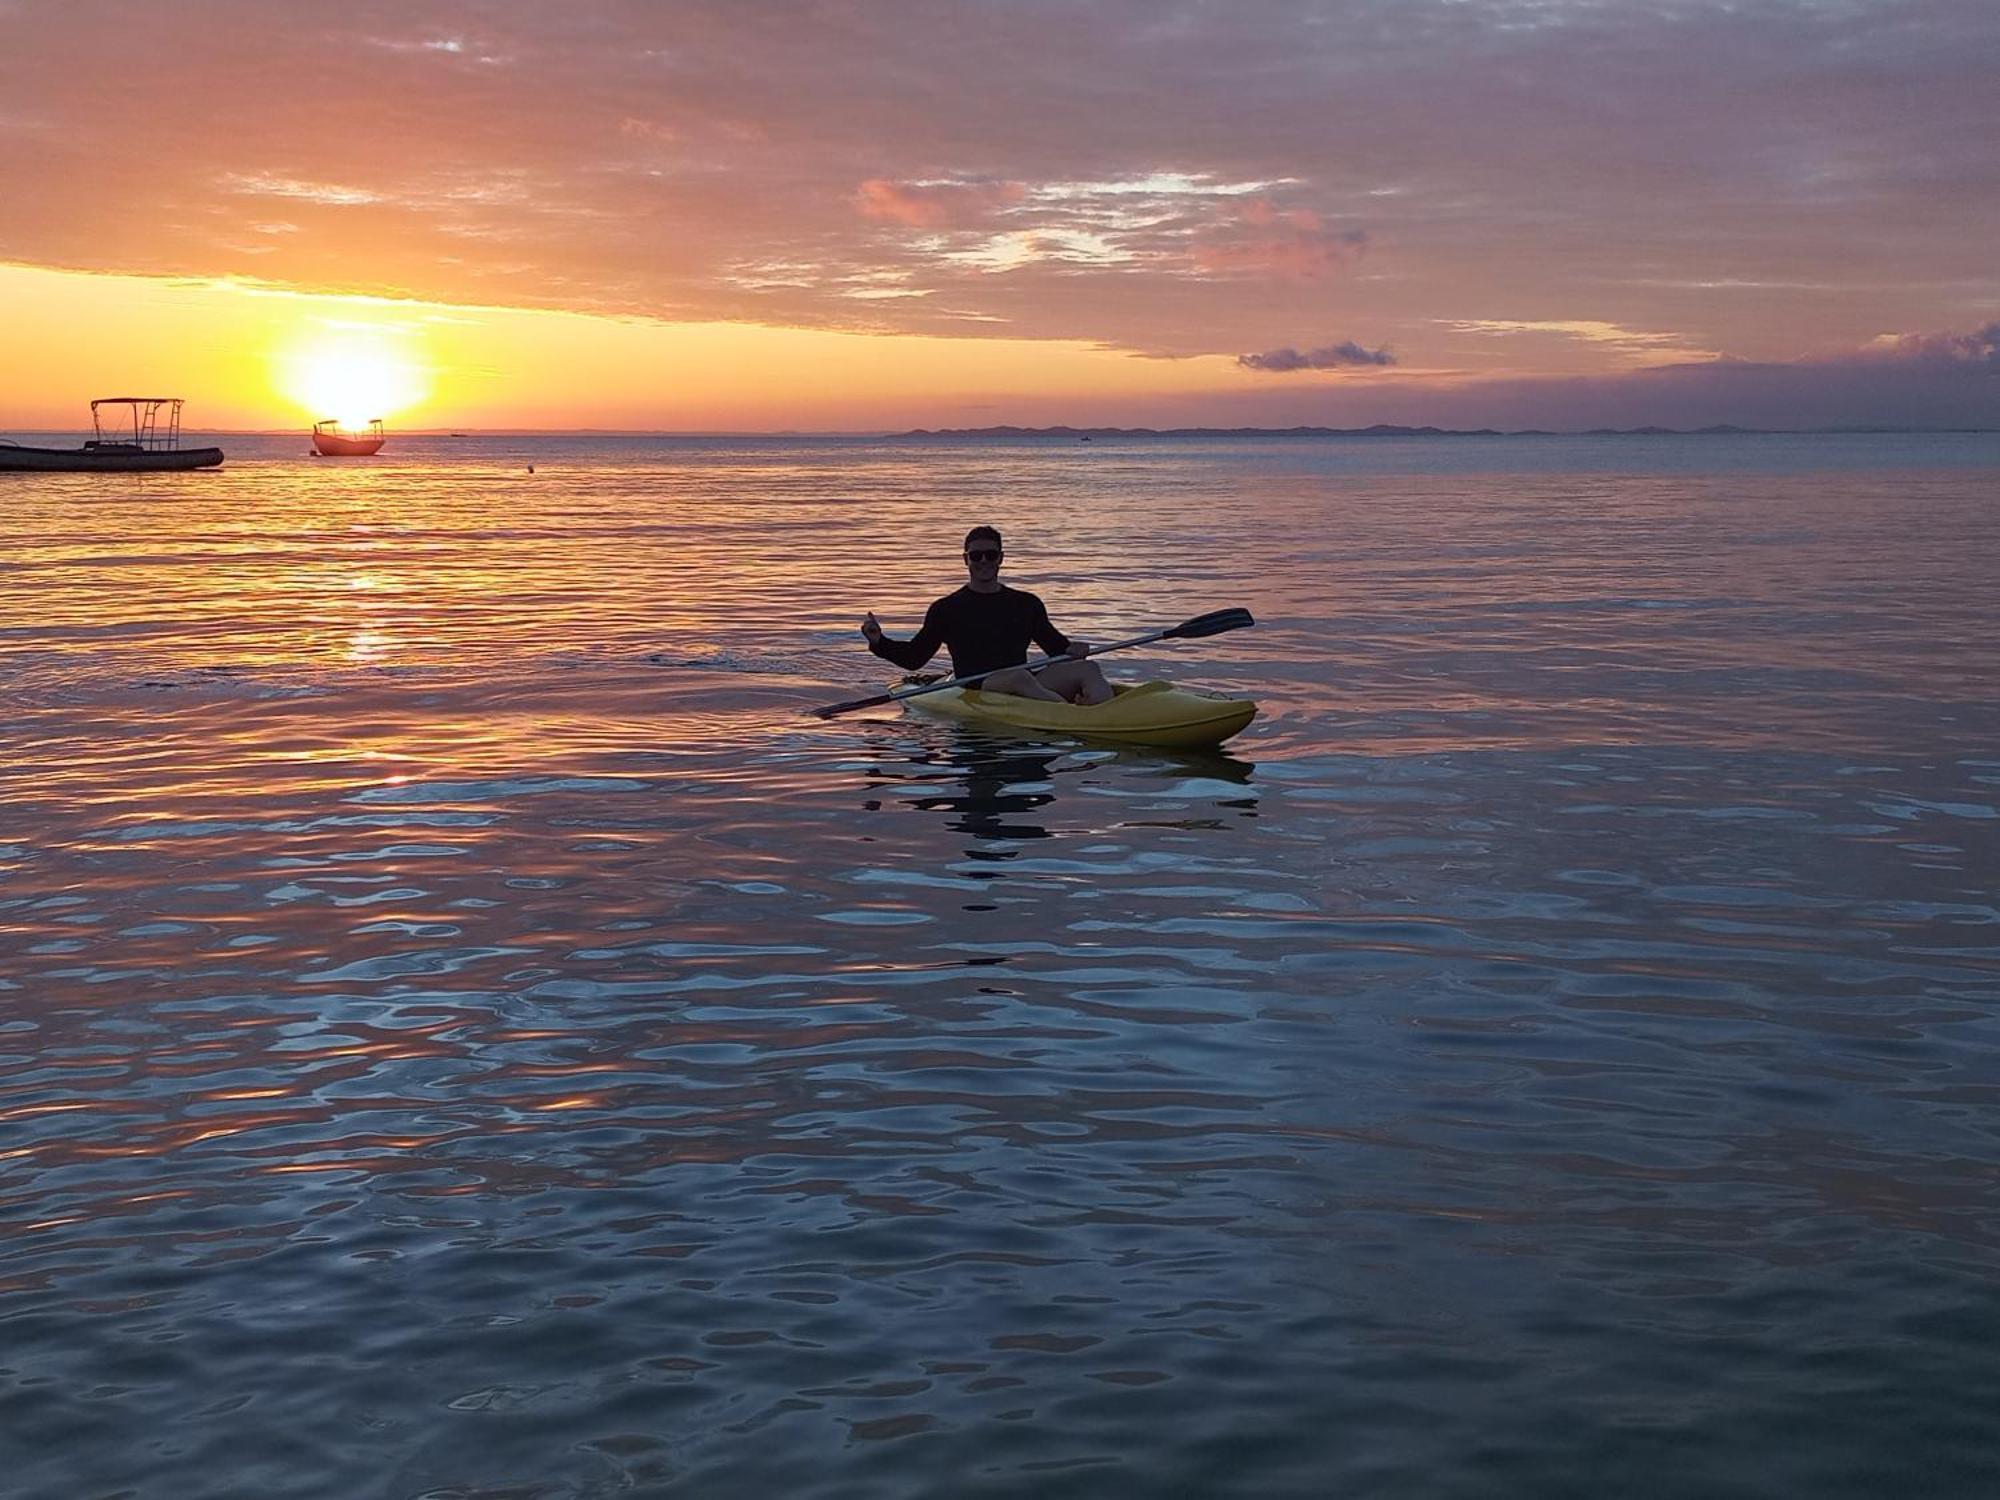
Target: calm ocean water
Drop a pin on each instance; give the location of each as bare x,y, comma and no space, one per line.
464,1032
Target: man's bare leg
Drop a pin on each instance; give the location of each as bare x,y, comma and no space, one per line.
1022,683
1077,682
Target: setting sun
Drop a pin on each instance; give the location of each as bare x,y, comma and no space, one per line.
353,375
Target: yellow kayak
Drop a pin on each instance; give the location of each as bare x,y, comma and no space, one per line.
1146,713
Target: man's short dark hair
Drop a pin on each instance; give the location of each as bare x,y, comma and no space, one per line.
984,531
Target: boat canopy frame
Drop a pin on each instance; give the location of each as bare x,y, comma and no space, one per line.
333,427
151,424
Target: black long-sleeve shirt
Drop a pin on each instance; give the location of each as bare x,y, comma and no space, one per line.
982,632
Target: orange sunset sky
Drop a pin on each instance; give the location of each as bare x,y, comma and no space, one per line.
760,216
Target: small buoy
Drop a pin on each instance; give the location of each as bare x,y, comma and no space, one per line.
531,468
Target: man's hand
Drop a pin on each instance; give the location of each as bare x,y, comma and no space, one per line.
1079,649
871,628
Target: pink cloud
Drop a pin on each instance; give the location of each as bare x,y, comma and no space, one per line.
936,205
651,130
1269,241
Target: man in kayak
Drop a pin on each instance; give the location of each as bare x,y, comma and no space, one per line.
987,625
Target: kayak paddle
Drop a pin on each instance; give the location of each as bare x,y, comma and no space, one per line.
1215,622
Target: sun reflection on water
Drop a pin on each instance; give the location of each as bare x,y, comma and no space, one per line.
433,861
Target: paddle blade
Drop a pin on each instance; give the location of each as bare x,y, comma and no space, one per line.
1213,623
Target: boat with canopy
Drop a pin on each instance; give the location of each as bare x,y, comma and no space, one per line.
331,440
134,434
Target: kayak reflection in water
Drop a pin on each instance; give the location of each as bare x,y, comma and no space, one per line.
997,795
987,625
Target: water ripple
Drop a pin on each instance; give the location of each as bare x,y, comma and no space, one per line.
463,1029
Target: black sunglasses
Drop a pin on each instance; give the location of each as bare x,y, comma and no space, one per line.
982,554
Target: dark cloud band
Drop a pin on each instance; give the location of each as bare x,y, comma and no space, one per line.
1345,355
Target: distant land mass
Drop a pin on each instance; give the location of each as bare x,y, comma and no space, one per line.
1377,431
1391,430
